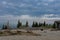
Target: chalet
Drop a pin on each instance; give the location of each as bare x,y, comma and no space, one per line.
57,24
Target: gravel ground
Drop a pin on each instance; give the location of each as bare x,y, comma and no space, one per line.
45,35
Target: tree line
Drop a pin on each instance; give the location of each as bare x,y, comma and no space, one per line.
34,24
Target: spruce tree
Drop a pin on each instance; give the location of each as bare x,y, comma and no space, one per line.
54,25
33,25
36,24
40,24
44,23
3,27
27,24
19,24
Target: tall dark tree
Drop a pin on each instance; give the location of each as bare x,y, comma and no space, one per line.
33,25
36,24
54,25
40,24
6,26
44,23
19,24
27,24
3,27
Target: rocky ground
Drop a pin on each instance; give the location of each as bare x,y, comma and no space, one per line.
45,35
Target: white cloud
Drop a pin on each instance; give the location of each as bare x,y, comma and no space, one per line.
14,19
50,15
36,0
46,4
49,0
25,5
50,18
22,5
11,4
4,2
38,3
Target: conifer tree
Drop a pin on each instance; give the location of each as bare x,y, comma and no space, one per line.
36,24
44,23
27,24
54,25
33,25
3,27
19,24
40,24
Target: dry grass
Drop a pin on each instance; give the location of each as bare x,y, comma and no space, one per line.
34,35
16,32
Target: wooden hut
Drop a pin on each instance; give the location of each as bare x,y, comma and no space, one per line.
57,24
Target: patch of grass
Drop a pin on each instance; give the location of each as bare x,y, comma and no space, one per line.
28,33
1,32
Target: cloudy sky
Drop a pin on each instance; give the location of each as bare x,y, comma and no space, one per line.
31,10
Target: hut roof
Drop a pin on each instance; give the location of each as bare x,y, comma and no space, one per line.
57,21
